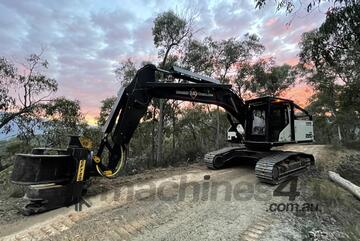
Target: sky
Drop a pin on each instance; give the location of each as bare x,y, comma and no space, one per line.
85,40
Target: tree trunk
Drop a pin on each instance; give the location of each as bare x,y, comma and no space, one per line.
12,116
352,188
161,117
173,136
160,134
217,141
339,133
153,139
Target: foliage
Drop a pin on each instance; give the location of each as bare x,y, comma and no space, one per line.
7,75
329,59
194,136
63,118
335,47
270,80
220,59
232,51
93,134
140,145
169,31
125,72
29,127
198,56
105,109
22,92
16,146
289,5
24,103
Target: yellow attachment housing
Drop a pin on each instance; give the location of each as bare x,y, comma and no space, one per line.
117,169
86,142
108,173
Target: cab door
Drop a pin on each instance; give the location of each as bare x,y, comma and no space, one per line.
280,124
256,122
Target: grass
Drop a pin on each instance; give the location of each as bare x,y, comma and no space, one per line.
355,145
328,193
3,145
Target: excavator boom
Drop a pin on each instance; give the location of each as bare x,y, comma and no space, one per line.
133,101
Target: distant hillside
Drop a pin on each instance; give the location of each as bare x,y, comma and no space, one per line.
14,132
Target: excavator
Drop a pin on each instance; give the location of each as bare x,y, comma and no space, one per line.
59,177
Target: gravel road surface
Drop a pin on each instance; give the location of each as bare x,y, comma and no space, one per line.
174,204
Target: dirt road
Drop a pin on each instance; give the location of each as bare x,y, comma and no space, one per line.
177,204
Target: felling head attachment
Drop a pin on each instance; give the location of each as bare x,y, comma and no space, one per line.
55,177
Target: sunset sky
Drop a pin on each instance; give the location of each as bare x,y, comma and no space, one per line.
84,40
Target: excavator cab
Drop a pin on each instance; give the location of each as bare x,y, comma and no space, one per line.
272,121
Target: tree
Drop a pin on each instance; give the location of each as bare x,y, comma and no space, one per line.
105,109
290,5
220,59
270,80
196,127
335,46
232,53
21,93
63,118
169,32
29,127
92,134
199,56
330,56
125,72
229,54
324,106
7,75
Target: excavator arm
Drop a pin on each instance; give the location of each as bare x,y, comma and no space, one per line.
133,101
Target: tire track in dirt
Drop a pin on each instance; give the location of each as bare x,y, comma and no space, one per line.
257,229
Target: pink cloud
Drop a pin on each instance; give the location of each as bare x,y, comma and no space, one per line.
270,22
292,61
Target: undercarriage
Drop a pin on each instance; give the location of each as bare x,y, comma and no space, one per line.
272,166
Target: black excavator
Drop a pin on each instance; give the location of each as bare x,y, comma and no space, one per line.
59,177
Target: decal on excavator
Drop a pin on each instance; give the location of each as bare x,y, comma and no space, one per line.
81,171
193,93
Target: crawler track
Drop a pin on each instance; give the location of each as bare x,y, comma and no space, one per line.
272,167
282,166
